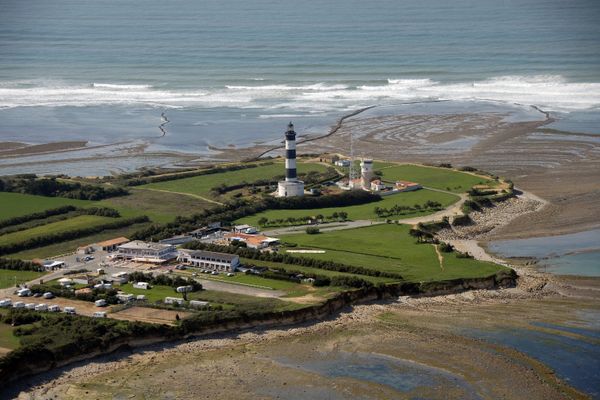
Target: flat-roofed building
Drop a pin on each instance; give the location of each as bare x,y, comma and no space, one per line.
252,241
210,260
147,252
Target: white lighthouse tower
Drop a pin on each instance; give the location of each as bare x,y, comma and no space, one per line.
291,186
366,173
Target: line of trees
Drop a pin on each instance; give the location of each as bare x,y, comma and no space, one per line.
19,265
400,210
32,223
171,177
52,187
336,216
255,254
58,237
38,215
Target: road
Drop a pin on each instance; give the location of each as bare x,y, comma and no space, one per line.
330,226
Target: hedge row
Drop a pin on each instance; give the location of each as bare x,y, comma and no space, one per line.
38,215
52,238
19,265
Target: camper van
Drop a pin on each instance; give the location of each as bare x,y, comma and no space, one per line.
99,314
69,310
54,308
100,303
41,307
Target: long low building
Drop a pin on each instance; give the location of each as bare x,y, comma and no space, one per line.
210,260
147,252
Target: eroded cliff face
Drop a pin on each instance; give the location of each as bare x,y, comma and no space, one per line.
36,365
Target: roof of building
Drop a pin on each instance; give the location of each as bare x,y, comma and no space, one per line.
242,227
406,183
113,242
255,240
212,254
140,245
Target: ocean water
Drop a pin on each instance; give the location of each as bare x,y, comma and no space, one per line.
234,72
571,254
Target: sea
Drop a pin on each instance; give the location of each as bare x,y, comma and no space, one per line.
233,72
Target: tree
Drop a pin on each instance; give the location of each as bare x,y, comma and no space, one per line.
263,221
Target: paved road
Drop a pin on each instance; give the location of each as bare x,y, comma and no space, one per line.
330,226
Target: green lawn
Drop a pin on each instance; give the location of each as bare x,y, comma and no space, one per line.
160,207
363,211
439,178
254,280
7,277
17,204
7,339
155,294
234,300
310,270
201,185
389,247
79,222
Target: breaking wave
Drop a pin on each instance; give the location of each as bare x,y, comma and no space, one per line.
550,92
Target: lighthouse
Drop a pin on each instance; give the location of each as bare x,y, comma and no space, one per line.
291,186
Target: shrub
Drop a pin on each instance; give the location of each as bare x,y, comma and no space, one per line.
311,230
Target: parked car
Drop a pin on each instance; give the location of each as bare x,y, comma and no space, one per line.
24,292
214,273
230,274
6,303
48,295
37,294
181,267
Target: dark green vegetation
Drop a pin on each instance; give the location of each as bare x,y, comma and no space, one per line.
443,179
53,187
17,204
363,211
47,338
389,248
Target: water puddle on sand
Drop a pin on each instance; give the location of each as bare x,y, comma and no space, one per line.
408,378
572,352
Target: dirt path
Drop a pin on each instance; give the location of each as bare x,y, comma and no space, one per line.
183,194
439,255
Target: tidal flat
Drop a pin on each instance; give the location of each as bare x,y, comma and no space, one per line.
511,343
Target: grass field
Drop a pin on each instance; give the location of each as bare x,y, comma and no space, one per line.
439,178
17,204
363,211
160,207
71,245
201,185
79,222
310,270
252,280
153,295
7,277
389,247
7,339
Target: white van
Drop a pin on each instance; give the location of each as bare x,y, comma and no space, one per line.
6,303
54,308
41,307
48,295
100,303
69,310
23,292
30,306
18,304
99,314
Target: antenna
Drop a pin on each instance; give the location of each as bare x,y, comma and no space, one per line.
352,175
